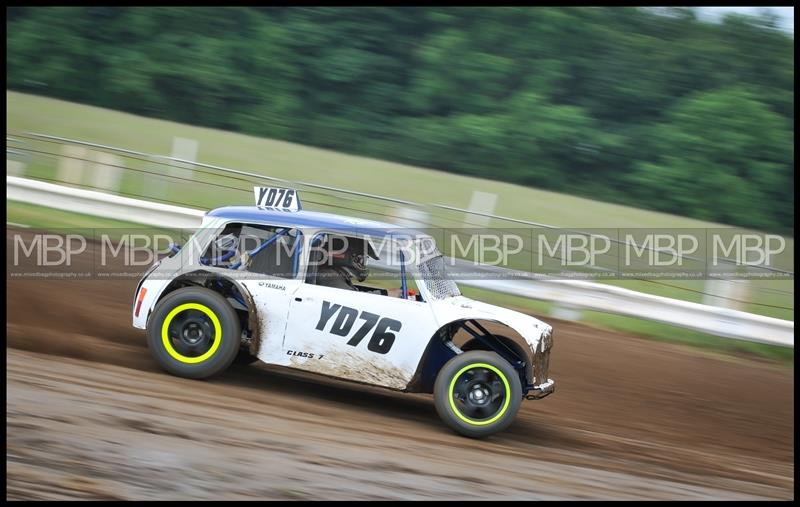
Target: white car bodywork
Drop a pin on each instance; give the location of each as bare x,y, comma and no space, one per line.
316,328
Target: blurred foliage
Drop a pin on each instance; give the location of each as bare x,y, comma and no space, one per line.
652,109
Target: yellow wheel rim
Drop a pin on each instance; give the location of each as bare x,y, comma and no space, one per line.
168,343
500,412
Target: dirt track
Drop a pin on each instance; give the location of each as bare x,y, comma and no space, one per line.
89,415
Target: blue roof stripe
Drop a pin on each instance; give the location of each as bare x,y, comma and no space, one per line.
307,219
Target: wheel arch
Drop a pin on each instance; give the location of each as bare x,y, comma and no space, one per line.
221,284
442,346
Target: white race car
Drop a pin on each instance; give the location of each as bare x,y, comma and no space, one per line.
352,299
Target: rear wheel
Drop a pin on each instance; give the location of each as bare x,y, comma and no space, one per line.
477,393
194,333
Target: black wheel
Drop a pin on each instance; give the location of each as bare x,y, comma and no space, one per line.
194,333
477,393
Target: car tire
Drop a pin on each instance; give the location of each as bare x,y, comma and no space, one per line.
477,393
194,333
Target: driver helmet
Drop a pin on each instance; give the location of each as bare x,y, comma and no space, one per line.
352,261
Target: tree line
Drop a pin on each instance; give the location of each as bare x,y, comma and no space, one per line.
647,107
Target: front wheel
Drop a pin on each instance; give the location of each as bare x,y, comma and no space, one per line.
477,393
194,333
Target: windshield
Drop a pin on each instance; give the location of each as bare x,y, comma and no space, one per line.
434,276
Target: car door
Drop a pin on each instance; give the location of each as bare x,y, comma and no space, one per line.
362,336
270,279
272,297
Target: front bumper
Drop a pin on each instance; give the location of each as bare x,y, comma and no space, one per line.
540,391
542,385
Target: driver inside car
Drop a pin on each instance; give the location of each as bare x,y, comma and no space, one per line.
345,263
347,266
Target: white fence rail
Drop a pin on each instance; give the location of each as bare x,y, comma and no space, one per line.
410,214
570,293
100,204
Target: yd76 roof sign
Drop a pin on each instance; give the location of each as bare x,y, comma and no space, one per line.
284,199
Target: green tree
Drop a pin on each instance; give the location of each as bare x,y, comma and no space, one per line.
651,107
710,163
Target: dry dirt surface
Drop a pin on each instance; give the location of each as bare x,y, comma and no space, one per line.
90,416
